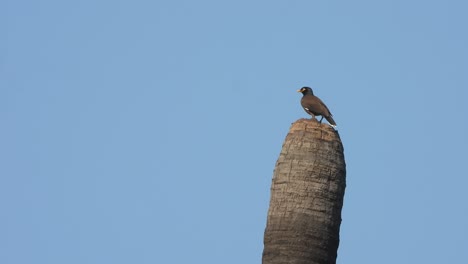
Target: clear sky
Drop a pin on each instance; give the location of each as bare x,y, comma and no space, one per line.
147,131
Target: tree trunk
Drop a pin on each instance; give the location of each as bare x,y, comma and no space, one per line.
306,197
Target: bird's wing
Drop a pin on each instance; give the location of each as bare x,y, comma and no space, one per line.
325,107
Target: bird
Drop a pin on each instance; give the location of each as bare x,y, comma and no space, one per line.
314,106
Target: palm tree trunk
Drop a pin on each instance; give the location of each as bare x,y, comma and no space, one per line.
306,197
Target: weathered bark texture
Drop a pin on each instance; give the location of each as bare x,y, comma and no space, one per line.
306,197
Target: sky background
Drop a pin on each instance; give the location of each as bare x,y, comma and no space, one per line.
147,131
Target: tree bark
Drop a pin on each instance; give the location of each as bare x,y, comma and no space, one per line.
307,193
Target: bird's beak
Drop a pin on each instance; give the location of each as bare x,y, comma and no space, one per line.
299,91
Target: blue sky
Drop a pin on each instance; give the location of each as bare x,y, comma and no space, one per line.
147,131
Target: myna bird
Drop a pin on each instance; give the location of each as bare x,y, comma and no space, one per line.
314,106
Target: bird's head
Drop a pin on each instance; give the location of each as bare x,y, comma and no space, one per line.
305,90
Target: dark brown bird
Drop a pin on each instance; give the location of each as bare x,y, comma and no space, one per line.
314,106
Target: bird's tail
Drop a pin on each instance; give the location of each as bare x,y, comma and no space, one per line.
330,120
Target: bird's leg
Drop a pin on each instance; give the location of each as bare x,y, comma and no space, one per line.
321,120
